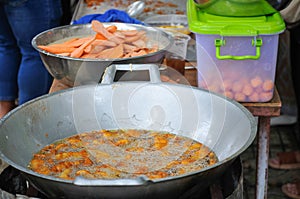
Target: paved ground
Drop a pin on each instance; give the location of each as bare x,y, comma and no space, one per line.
283,138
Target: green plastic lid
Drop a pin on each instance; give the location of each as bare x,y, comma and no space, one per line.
235,8
202,22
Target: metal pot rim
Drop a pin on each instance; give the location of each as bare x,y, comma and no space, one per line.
253,125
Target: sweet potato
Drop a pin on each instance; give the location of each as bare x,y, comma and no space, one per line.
106,43
57,50
79,51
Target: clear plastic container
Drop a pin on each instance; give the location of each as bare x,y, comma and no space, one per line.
236,56
245,80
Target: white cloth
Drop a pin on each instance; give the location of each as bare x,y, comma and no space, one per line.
291,13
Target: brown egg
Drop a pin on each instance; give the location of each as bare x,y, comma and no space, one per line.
229,94
237,87
256,82
227,84
265,96
214,87
259,89
247,89
240,97
254,97
268,85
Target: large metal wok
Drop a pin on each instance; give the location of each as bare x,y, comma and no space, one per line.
78,71
222,124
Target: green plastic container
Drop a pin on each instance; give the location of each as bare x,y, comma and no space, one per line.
236,8
236,55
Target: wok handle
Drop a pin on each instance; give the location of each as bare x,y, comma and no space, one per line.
81,181
110,72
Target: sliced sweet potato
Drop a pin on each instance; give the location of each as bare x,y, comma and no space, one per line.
79,51
110,53
107,43
104,43
129,32
99,28
57,50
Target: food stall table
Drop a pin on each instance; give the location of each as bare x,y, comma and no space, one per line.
264,112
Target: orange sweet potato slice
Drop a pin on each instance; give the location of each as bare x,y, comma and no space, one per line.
57,50
96,49
128,47
78,42
106,43
79,51
100,36
99,28
111,28
111,53
129,32
139,43
132,38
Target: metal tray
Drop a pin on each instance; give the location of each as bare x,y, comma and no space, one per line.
153,7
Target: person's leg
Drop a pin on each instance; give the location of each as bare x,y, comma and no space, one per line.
27,20
295,63
286,160
293,189
9,65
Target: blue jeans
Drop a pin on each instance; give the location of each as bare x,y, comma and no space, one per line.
23,76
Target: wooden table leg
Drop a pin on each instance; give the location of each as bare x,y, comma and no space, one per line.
263,143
